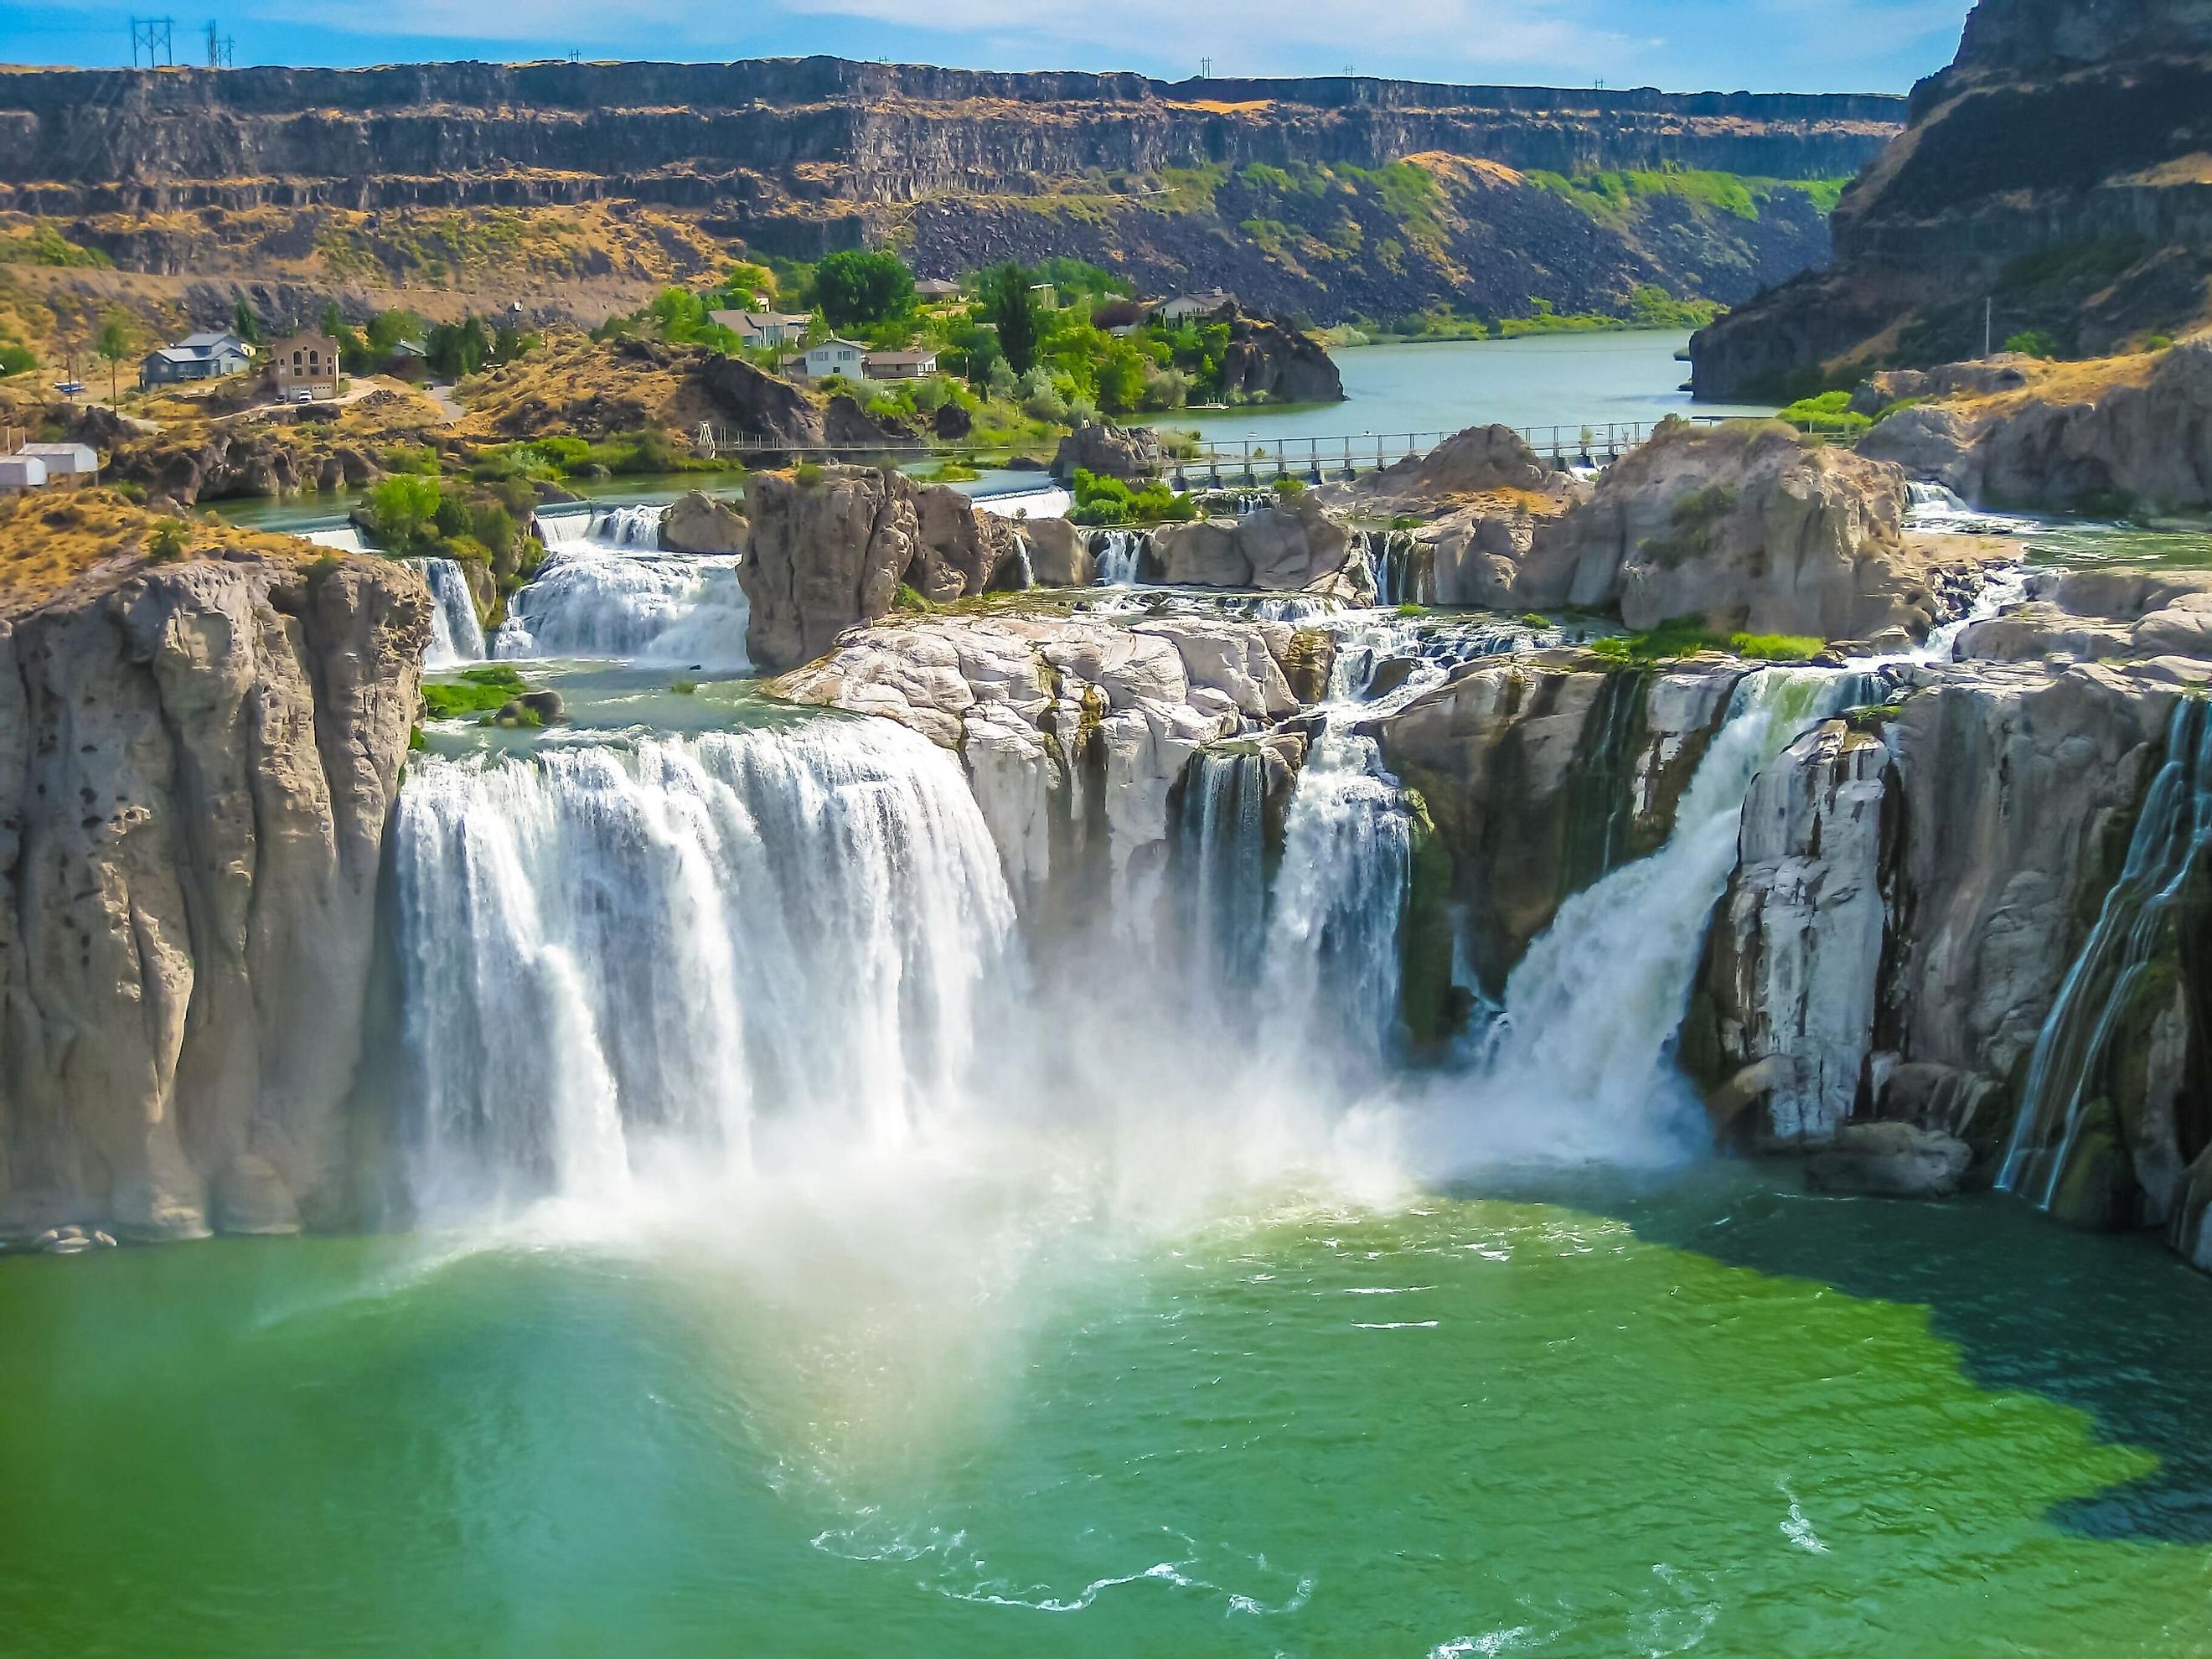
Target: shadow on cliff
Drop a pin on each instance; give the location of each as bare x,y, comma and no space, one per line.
2111,1324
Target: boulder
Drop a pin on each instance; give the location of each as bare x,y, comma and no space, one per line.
1291,544
1889,1160
697,522
1059,556
1279,364
1107,449
1481,460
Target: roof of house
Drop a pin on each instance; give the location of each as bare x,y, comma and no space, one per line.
923,357
936,286
212,340
837,340
79,454
410,348
758,320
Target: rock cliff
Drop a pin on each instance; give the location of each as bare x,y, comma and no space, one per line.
198,763
2053,179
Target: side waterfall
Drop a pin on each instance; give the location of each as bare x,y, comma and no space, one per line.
1221,846
2071,1051
456,635
713,950
1118,555
1593,1009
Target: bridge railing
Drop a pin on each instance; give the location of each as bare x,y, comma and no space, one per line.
1222,462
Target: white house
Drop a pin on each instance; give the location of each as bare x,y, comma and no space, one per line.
762,328
898,365
835,356
21,472
1213,301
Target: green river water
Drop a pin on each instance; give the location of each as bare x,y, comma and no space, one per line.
1592,1418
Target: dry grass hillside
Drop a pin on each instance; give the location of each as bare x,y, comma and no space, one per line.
50,542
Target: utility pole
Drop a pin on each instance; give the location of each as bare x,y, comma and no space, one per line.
218,47
1206,68
1989,309
154,37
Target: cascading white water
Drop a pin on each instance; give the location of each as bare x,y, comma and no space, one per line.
2170,841
1118,555
715,951
626,526
1930,506
344,538
1400,575
588,601
456,635
1221,848
1577,1058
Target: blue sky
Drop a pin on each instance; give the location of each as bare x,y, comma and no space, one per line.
1805,45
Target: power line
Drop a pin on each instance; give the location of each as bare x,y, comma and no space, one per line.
218,48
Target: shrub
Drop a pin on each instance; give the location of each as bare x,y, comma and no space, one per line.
166,541
1828,411
481,690
1287,486
2031,342
806,474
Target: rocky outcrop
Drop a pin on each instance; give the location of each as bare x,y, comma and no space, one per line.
239,459
1074,734
1059,555
2139,443
1541,772
1483,460
1273,361
2059,186
1108,451
697,522
831,551
198,763
1292,543
1794,955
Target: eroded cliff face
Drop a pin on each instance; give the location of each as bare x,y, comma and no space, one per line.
198,763
2055,172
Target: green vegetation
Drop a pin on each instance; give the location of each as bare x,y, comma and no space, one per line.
1684,636
45,245
115,341
860,289
1828,411
1101,501
2031,342
1012,310
1617,196
482,690
167,541
412,515
16,358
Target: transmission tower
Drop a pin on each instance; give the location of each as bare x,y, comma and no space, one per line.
153,37
218,47
1206,68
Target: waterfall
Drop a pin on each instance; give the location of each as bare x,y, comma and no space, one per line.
1930,506
1119,555
627,527
344,538
1402,576
1331,970
1221,849
1593,1008
456,635
1023,565
588,601
2071,1051
705,952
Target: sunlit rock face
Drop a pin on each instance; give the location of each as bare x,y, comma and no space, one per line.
197,767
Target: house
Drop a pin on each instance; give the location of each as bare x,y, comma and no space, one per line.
304,363
71,464
898,365
21,472
408,359
936,287
1210,303
196,358
762,328
834,357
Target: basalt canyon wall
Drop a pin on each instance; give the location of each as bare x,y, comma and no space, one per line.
261,166
2055,177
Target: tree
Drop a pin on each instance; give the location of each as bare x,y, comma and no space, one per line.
352,354
458,348
1007,298
859,291
244,324
113,343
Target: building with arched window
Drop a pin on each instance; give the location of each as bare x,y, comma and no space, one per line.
306,362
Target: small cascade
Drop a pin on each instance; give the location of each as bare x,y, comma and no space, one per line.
1024,568
1220,851
1404,573
456,635
342,538
1592,1010
714,953
2007,585
587,601
1117,556
1331,975
2067,1071
1931,506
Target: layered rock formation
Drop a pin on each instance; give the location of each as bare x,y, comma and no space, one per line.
827,551
198,762
2053,177
799,157
1292,543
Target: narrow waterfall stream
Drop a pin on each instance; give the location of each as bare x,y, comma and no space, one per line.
456,635
2165,855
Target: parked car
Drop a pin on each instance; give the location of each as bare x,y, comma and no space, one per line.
300,394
